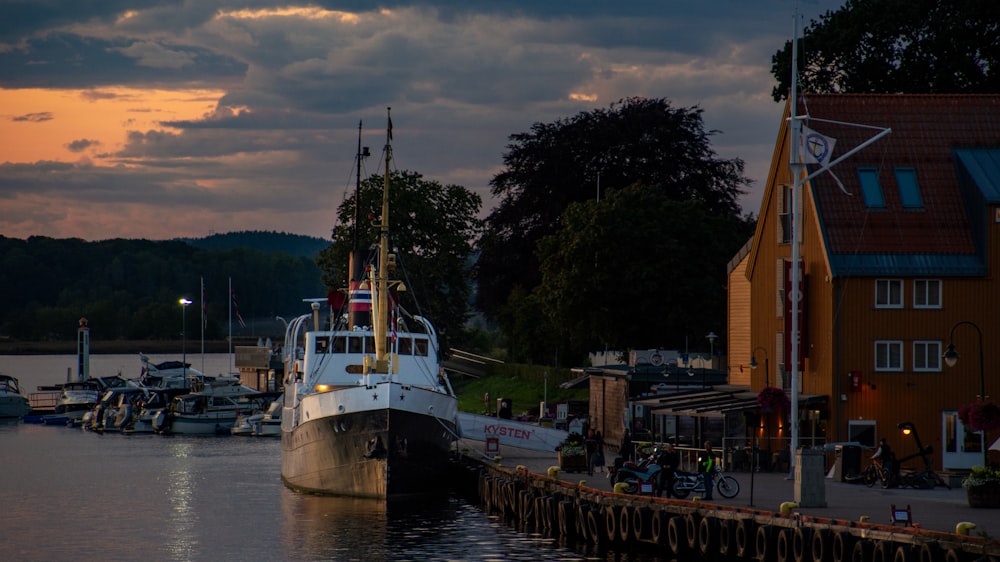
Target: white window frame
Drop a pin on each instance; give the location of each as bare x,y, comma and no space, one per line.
926,288
884,351
927,356
883,292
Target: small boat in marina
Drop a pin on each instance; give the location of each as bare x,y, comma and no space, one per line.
210,408
261,424
368,411
13,404
167,374
115,410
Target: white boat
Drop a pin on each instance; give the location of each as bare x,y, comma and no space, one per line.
13,404
211,407
261,424
116,408
368,411
167,374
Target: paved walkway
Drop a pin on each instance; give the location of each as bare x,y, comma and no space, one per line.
939,509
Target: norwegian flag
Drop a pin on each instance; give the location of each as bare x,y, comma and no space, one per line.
236,309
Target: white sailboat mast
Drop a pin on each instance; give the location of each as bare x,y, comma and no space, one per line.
797,166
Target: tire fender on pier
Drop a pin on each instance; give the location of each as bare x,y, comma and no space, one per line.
746,538
883,551
784,548
566,513
764,542
862,551
726,535
659,526
691,522
582,509
821,545
642,520
624,524
905,553
595,526
801,544
843,546
675,534
611,522
708,537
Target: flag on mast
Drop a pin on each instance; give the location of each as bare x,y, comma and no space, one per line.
816,148
204,309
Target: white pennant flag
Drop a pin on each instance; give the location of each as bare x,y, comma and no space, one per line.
816,148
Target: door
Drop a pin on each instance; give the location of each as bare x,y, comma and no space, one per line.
963,448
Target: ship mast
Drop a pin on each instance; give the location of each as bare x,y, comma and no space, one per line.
381,300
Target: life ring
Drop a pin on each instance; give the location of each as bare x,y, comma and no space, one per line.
745,538
821,546
764,542
784,547
611,522
624,524
691,530
726,533
843,546
642,521
595,526
801,547
659,526
708,538
675,534
862,551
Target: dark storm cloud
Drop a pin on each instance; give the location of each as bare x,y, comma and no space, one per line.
81,144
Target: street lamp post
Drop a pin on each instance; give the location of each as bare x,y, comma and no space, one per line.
951,357
184,304
753,364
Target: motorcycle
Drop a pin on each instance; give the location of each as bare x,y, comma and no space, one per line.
687,482
635,475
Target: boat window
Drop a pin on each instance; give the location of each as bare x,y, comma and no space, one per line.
420,346
405,346
321,345
339,344
369,344
354,345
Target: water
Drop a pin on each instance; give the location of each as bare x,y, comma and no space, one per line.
73,494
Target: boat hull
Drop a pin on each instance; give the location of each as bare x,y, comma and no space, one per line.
393,450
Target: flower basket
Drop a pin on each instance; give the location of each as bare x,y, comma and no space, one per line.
772,398
981,415
982,487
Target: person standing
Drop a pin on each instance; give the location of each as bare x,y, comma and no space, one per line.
597,459
669,459
706,467
627,451
591,447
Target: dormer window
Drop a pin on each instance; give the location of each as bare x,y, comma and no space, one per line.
909,189
871,188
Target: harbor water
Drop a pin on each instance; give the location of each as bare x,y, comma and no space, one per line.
71,494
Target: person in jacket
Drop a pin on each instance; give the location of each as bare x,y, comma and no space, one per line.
706,467
668,459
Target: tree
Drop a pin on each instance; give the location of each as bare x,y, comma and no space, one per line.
432,228
897,46
588,157
636,270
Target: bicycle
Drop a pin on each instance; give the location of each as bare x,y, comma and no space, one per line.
878,473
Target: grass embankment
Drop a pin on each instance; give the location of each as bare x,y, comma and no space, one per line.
524,385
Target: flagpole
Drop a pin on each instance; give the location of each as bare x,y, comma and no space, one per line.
795,296
230,325
204,320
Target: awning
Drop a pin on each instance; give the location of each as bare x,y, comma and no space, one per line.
713,404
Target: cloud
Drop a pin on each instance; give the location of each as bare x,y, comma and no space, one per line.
81,145
34,117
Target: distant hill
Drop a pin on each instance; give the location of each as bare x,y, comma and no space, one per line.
292,244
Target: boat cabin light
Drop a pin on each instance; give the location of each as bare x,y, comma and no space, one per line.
322,388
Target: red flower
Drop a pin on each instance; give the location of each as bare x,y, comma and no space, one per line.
980,415
771,398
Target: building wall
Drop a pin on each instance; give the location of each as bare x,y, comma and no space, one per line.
738,325
608,400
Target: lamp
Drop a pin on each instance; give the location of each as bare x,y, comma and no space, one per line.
184,302
951,358
753,363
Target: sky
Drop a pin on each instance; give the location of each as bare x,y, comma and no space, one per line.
186,118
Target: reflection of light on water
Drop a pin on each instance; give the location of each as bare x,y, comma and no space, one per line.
182,541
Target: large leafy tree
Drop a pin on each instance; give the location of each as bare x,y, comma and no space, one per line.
589,156
897,46
432,228
636,270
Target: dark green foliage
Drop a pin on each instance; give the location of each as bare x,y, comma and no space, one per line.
635,142
897,46
292,244
129,289
432,229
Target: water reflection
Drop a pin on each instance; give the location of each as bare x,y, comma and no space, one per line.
182,519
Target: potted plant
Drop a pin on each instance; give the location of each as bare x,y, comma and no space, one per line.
981,415
771,399
982,487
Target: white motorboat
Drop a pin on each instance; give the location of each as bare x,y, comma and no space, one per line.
167,374
368,411
13,404
211,407
261,424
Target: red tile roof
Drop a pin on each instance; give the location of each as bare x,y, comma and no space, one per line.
925,131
